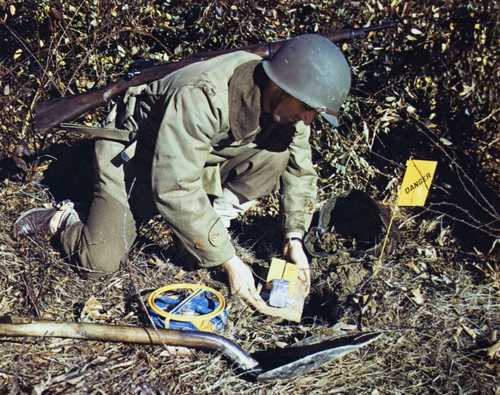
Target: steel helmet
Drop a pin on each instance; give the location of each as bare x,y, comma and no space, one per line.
312,69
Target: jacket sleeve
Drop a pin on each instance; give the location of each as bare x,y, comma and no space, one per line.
299,183
182,147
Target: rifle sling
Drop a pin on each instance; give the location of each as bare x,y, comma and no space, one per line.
122,135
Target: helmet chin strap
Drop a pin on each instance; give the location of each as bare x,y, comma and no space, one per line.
279,97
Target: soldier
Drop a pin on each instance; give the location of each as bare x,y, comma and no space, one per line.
212,138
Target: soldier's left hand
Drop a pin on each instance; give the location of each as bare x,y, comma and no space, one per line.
294,252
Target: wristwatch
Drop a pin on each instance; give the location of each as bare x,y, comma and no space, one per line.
291,236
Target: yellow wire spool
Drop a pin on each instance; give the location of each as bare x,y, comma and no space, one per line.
205,322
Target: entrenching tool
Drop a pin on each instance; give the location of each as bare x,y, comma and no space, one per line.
263,365
295,361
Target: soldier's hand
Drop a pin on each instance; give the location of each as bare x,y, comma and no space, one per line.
294,252
242,284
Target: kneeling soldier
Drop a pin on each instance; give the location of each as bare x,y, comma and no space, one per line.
230,127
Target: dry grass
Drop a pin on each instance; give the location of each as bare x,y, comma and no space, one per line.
435,339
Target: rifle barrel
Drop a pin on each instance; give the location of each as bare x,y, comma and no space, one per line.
54,112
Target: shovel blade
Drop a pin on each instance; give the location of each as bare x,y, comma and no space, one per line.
296,361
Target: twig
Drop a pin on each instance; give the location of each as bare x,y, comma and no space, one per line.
420,127
134,282
464,211
487,117
462,221
28,116
29,291
396,164
19,39
17,374
52,52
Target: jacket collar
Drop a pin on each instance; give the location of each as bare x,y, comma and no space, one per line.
245,100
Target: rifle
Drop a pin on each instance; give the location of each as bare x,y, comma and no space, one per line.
51,113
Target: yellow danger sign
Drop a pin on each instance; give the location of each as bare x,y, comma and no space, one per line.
416,182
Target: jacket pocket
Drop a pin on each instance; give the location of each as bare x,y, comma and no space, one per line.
211,180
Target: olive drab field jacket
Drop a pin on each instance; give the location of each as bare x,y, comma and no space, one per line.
181,121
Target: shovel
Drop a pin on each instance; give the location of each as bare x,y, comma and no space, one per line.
265,365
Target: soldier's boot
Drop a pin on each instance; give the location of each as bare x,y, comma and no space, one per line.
46,221
228,206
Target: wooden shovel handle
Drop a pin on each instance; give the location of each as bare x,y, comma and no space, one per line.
22,327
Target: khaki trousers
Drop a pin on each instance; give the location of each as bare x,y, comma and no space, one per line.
103,241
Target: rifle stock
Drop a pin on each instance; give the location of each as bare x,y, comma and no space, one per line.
51,113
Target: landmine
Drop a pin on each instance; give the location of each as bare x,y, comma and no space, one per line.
288,272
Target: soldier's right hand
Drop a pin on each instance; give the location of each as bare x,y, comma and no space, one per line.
242,284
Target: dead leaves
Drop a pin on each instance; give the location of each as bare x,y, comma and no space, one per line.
93,311
417,296
493,351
